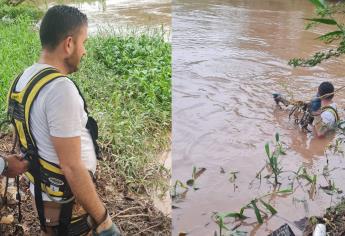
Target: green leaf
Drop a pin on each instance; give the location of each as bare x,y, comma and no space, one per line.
194,171
314,179
318,3
269,207
277,137
190,182
330,34
181,184
242,210
288,190
221,223
257,212
267,148
322,20
233,215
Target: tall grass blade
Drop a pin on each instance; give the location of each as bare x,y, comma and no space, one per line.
269,207
257,212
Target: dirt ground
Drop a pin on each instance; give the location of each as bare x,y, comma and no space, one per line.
334,218
133,214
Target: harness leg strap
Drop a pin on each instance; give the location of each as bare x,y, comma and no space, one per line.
65,218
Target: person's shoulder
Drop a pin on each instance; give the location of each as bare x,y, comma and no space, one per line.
328,116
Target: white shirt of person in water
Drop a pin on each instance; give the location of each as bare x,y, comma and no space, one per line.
326,121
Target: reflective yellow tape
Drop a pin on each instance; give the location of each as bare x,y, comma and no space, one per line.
33,94
44,187
50,167
19,96
21,134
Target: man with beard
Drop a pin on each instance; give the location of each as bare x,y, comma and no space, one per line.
56,135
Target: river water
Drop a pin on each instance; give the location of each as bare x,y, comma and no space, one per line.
121,15
228,58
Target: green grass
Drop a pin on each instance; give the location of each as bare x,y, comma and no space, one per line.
126,80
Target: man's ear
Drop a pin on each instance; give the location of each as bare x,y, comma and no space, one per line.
68,45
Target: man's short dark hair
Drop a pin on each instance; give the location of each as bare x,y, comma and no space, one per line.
58,23
326,88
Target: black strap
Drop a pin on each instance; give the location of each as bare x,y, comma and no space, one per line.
91,125
65,218
19,199
32,152
35,170
79,226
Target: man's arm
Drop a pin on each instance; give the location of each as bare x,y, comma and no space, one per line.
78,177
318,132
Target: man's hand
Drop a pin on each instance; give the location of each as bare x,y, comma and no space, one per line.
16,166
107,228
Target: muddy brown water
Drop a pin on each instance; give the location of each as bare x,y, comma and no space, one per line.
228,58
121,15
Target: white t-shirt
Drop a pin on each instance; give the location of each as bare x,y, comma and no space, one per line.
328,117
58,111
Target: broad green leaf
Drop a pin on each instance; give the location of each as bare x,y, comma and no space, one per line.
190,182
257,212
334,33
277,137
318,3
233,215
267,149
323,21
269,207
242,210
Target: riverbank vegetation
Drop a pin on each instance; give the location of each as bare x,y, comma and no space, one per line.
126,81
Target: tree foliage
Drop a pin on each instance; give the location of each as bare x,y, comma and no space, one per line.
326,14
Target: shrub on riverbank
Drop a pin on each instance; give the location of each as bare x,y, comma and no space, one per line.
126,82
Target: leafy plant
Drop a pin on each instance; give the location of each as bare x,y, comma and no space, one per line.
273,156
195,175
255,204
177,184
326,15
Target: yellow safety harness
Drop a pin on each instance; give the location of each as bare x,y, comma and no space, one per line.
46,176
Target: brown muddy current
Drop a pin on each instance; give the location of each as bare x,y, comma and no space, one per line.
228,58
121,15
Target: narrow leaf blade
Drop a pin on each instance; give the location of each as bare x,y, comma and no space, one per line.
318,3
267,149
322,20
331,34
257,212
288,190
269,207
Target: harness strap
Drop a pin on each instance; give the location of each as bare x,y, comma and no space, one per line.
25,99
91,125
41,172
65,218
